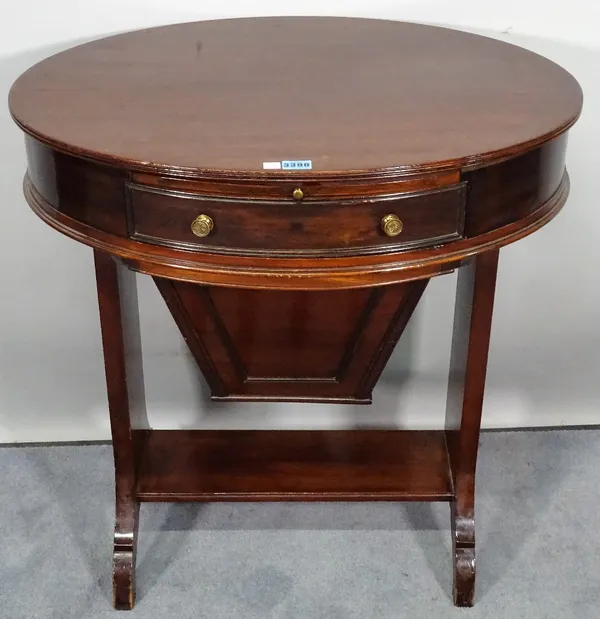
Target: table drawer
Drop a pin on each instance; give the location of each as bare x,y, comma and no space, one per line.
404,221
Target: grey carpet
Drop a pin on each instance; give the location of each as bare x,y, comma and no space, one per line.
538,543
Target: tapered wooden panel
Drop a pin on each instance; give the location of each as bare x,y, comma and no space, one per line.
288,345
289,334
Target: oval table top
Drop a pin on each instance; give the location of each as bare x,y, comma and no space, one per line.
347,94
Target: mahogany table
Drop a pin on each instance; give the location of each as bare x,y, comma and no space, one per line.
292,184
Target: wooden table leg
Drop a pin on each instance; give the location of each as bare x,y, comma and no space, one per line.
470,345
119,322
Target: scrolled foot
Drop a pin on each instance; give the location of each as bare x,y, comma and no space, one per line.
124,554
123,578
464,576
463,550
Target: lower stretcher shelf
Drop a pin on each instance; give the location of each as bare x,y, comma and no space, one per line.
288,465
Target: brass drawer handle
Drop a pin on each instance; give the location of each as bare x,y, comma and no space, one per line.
202,225
298,194
392,225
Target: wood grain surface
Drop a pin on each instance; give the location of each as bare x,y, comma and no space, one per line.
348,94
225,465
297,293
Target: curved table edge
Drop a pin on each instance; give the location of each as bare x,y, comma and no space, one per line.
295,275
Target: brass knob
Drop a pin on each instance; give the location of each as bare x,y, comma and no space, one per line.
202,225
298,194
392,225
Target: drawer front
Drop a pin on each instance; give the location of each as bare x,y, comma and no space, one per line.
165,217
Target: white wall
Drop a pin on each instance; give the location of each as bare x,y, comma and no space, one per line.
545,356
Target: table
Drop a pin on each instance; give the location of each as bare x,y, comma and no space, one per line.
292,184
